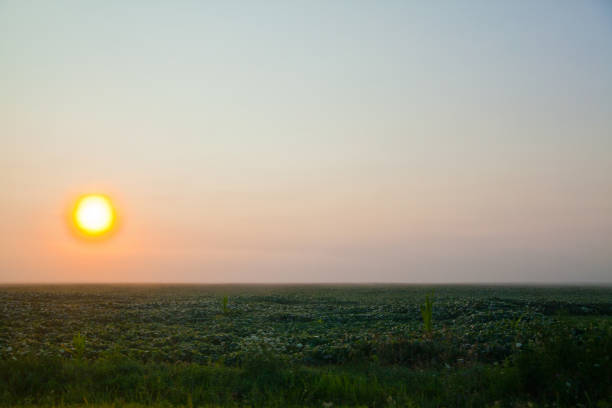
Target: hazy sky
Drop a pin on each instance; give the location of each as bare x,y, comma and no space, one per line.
281,141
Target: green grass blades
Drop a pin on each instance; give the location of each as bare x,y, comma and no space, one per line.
225,302
78,344
427,314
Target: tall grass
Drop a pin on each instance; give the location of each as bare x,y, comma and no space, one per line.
78,344
563,366
427,314
224,304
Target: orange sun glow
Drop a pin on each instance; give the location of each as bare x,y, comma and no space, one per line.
94,215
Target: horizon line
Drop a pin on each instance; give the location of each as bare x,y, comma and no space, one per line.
319,283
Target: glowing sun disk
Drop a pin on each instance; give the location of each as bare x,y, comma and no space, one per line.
94,214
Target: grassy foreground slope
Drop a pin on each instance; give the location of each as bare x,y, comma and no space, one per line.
159,345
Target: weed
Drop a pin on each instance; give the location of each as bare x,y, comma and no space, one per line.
78,344
225,302
427,314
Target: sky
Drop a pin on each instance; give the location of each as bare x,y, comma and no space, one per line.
312,141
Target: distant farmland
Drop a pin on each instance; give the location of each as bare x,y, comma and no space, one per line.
310,345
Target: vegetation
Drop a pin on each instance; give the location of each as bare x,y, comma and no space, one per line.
427,313
285,346
224,303
78,345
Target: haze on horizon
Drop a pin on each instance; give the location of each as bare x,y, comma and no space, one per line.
309,141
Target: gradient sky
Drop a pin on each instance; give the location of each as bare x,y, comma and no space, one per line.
314,141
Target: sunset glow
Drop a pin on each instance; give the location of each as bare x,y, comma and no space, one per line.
94,215
292,142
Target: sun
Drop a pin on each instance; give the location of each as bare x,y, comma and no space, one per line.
94,215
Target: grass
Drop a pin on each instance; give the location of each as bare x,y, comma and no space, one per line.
539,375
78,345
258,384
225,301
427,313
283,346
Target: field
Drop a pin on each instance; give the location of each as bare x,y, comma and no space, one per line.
309,345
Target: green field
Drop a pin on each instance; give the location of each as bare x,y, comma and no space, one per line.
309,345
